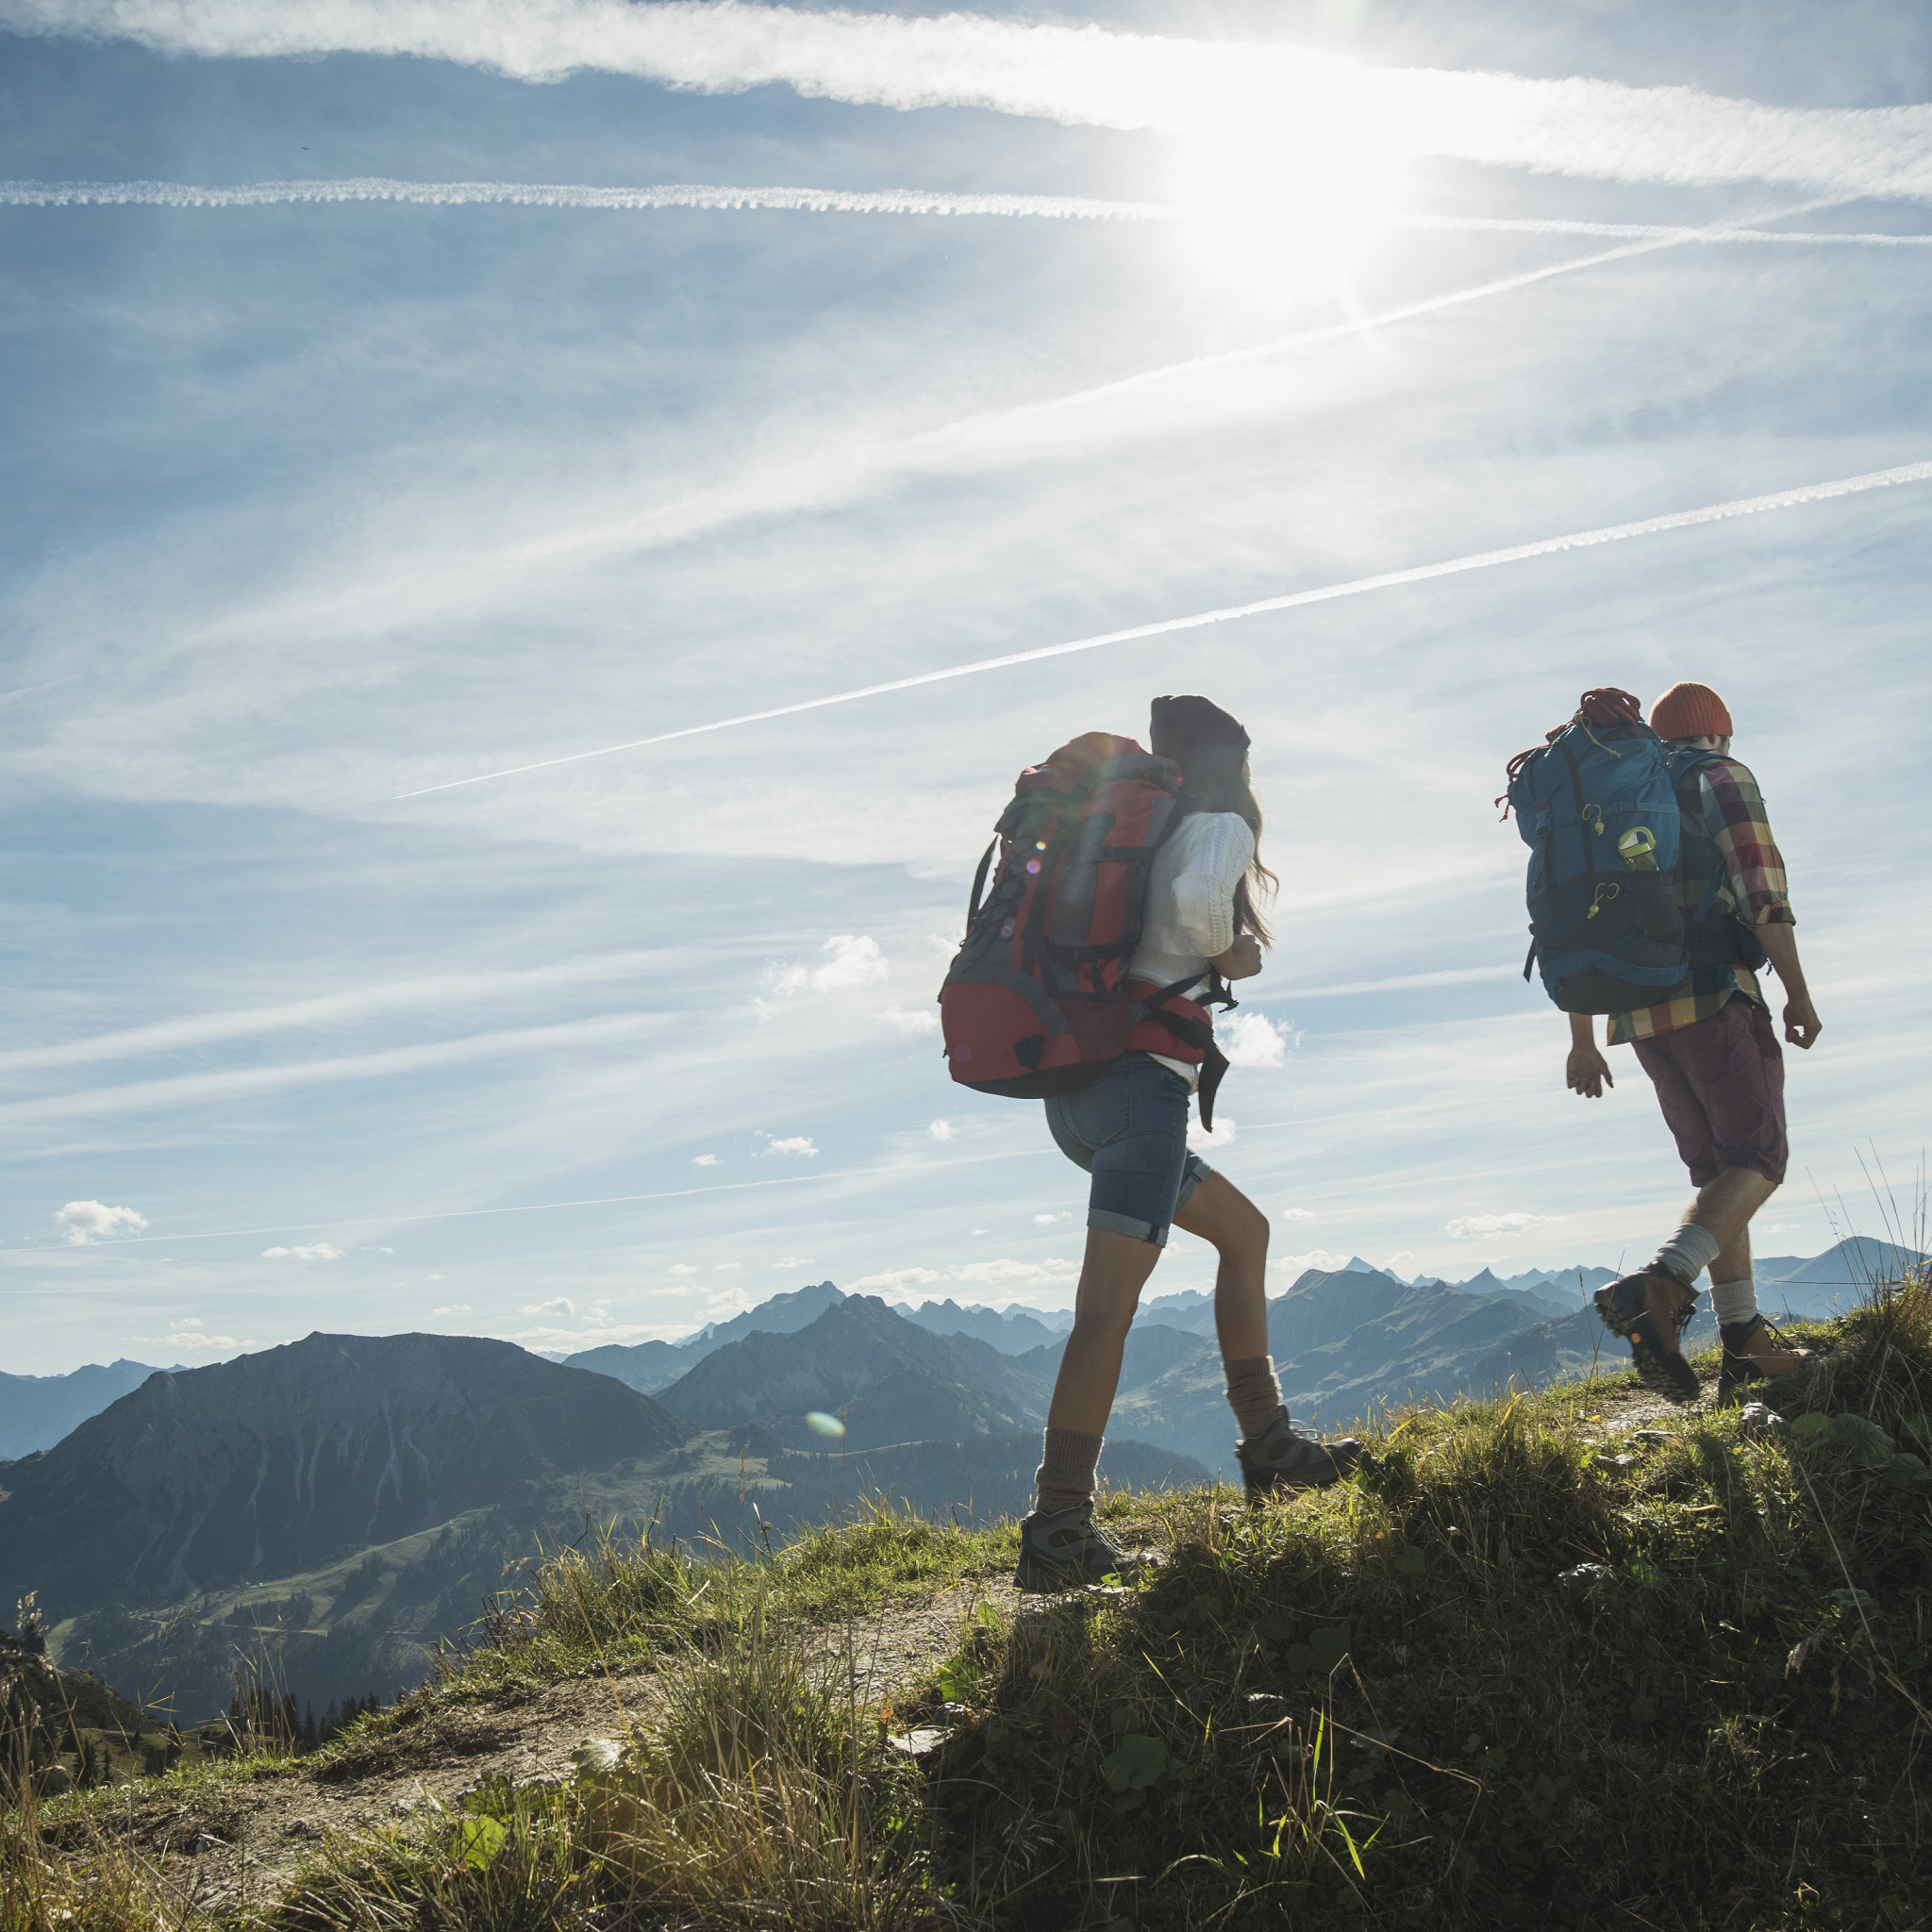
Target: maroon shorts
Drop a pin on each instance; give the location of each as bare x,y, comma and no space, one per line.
1720,1084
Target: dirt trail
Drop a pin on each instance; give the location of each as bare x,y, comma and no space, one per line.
236,1844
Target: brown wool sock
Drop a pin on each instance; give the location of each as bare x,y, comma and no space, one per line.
1065,1476
1253,1393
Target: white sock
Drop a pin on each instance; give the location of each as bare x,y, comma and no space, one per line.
1688,1253
1735,1301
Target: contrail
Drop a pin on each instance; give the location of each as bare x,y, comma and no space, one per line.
1321,111
1484,559
1338,331
1498,225
890,201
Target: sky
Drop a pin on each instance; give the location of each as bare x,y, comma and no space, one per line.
316,498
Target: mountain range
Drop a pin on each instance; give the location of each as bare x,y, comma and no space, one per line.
348,1499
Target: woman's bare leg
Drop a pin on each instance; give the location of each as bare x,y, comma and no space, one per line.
1222,1214
1116,1269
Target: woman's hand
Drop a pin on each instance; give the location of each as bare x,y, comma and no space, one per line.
1241,961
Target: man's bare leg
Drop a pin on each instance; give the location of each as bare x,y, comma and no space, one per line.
1723,1208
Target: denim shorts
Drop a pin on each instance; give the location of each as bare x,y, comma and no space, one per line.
1129,1130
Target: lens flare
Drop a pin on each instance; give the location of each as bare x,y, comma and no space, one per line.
824,1425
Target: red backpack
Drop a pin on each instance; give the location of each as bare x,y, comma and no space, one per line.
1038,999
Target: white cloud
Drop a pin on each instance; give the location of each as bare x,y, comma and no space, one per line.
940,1131
980,1274
455,1308
1040,1220
1467,1228
705,1160
890,1278
682,1268
853,959
1291,1214
192,1340
1283,108
1293,1265
93,1220
1037,1272
919,1020
316,1251
802,1146
724,1267
1252,1040
385,1251
793,1262
556,1305
1223,1135
726,1303
1397,1263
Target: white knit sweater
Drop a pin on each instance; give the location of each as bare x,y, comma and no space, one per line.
1189,916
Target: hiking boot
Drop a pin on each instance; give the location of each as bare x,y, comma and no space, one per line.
1755,1352
1650,1310
1063,1549
1281,1459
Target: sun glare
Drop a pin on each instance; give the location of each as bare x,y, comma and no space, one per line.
1280,208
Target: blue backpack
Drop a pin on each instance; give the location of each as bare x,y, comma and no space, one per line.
1597,806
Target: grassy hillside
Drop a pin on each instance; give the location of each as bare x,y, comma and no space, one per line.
372,1621
1536,1666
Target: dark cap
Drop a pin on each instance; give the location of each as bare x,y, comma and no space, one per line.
1180,727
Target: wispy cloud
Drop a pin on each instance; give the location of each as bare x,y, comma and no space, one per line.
439,991
1354,587
794,1146
315,1251
187,1089
1333,109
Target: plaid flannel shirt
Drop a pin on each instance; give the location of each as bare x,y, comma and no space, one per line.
1725,833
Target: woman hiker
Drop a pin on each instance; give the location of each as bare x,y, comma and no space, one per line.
1129,1130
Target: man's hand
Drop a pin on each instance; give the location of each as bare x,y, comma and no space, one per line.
1587,1071
1241,961
1802,1024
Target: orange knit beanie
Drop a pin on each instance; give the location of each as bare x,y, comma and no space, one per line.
1691,711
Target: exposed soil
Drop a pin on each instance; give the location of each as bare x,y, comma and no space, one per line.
230,1845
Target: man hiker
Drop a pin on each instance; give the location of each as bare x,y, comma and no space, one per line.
1713,1054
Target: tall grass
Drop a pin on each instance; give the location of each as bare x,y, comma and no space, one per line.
1522,1671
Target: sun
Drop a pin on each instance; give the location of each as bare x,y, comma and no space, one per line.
1285,207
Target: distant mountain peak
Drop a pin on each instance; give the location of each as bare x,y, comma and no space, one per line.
270,1462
